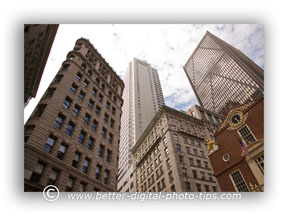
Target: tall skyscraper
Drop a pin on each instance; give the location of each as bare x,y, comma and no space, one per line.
72,137
221,74
143,97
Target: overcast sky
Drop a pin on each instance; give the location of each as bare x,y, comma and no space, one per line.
166,47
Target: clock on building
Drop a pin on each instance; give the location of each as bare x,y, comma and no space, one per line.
235,118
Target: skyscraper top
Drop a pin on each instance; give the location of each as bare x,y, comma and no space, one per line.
219,73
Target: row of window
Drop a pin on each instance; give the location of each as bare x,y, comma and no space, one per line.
70,186
70,127
63,149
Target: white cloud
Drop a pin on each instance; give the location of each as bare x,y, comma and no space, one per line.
165,47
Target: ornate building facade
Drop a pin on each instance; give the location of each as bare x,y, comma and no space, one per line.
72,136
171,155
237,156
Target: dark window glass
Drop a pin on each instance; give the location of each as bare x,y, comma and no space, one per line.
50,92
40,110
58,78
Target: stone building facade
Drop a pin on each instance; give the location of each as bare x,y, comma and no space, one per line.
211,120
171,155
72,136
38,40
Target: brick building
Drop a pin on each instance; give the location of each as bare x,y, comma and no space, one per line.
72,136
171,155
240,168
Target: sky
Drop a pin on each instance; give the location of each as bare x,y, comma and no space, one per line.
166,47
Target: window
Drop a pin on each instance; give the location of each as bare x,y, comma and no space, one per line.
82,187
86,119
260,163
100,98
50,92
178,147
76,160
159,186
217,120
166,151
194,174
214,188
108,156
28,131
90,104
40,110
59,120
210,117
78,76
168,162
108,105
106,117
70,184
85,83
90,143
202,175
81,137
210,177
202,153
58,78
239,182
53,177
65,66
247,134
94,91
195,152
181,159
103,133
67,102
106,176
111,123
81,95
61,151
103,87
69,128
198,186
206,188
191,161
202,114
185,140
76,110
49,143
38,171
100,150
98,172
73,88
206,164
97,110
188,150
94,125
110,138
175,137
113,110
198,163
187,186
85,165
